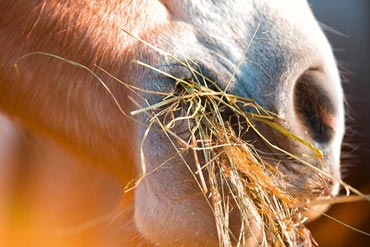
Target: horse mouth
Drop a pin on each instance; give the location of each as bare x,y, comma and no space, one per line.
236,178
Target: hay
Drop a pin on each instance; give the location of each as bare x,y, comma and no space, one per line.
237,175
229,170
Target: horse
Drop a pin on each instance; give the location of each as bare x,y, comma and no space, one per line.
68,149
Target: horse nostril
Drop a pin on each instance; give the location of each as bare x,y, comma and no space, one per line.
314,107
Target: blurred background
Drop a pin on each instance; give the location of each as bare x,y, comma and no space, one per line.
347,25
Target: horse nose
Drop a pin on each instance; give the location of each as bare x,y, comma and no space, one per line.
308,105
303,88
315,102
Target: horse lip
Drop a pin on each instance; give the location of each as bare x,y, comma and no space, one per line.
320,205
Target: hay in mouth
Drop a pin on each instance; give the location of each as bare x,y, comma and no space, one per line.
229,170
231,173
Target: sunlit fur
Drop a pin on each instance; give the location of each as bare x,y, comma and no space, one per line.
71,119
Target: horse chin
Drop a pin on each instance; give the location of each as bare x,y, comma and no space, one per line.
176,213
195,228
